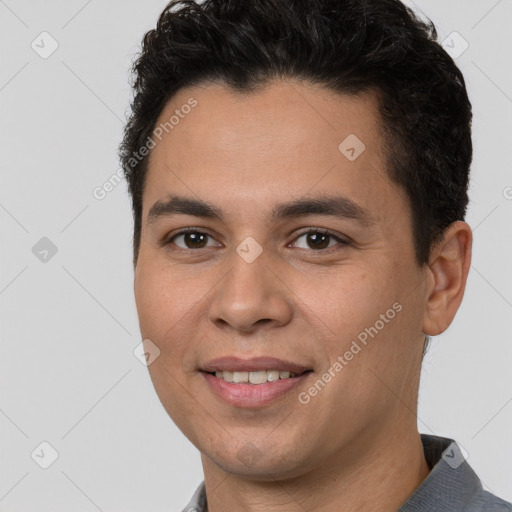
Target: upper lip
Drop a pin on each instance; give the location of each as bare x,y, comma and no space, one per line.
237,364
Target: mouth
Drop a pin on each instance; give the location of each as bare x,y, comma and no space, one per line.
255,377
253,382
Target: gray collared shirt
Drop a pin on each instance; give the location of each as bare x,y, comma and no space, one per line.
451,485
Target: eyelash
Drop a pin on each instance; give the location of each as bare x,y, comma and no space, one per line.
322,231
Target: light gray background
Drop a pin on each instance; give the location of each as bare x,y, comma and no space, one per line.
68,375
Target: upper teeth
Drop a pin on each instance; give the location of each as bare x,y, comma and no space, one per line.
259,377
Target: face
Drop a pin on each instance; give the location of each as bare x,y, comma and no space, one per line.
302,262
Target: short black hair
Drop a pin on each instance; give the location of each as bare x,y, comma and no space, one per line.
350,46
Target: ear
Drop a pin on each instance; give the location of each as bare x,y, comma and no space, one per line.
446,280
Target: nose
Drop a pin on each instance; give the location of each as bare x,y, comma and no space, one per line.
251,296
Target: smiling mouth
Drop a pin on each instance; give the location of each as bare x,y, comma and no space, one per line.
256,377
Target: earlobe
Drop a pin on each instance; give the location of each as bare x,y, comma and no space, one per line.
448,269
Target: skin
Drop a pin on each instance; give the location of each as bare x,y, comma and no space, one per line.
355,445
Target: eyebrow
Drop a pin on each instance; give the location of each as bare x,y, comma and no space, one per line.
336,206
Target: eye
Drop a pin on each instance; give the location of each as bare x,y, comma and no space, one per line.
317,239
320,239
193,239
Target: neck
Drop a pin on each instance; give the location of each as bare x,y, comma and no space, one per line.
375,474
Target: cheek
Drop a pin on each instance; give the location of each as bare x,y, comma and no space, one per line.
149,302
170,307
349,300
161,299
368,325
162,305
161,311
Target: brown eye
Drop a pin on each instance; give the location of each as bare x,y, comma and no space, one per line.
319,240
191,240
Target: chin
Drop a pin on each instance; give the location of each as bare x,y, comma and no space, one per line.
258,463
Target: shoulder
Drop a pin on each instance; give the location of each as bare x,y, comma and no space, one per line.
485,501
451,485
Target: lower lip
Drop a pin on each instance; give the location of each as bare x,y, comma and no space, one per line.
252,395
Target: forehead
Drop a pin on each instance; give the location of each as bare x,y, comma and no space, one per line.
287,140
282,111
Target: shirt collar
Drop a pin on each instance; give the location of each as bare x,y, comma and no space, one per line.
451,483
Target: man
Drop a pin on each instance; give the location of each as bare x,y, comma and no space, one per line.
299,174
